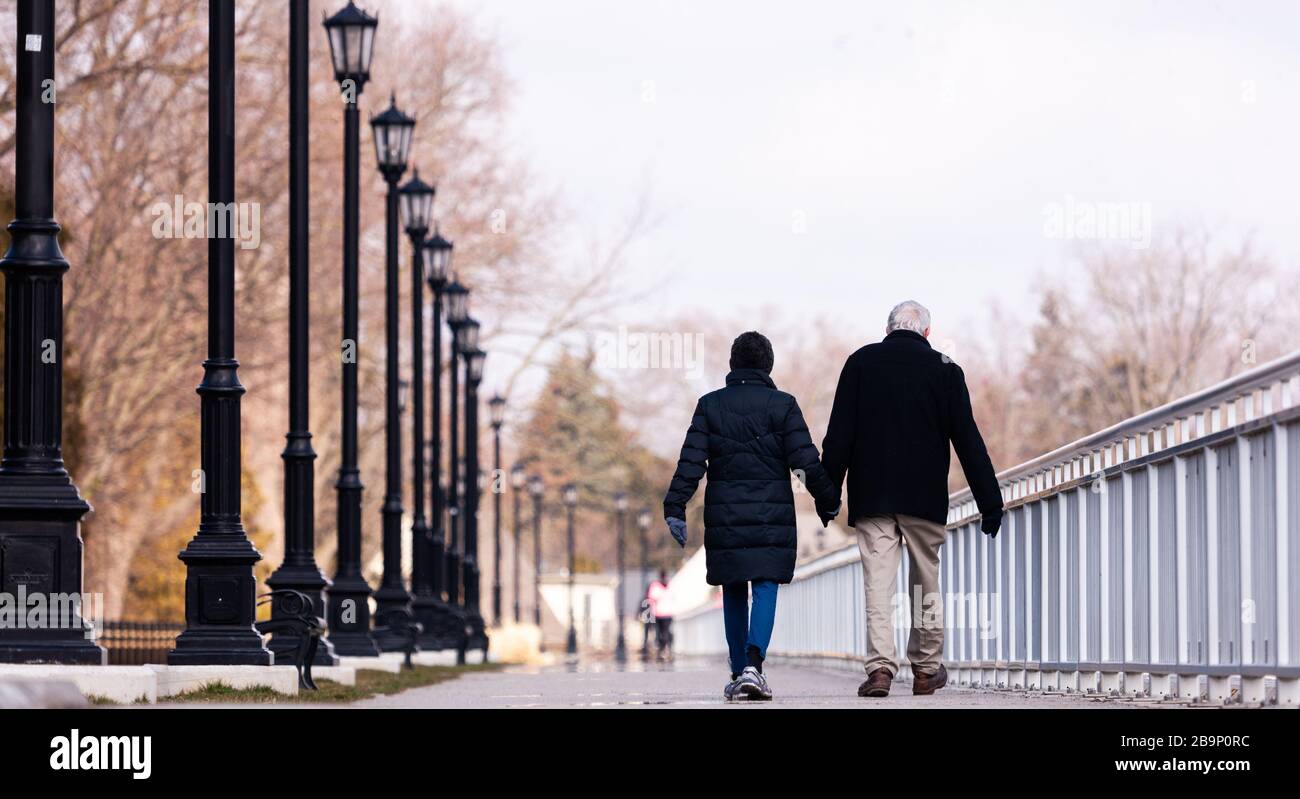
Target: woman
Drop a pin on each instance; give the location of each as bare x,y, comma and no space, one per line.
748,437
662,613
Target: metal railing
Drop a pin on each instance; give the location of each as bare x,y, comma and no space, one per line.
137,643
1159,557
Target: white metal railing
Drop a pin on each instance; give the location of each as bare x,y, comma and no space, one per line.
1159,557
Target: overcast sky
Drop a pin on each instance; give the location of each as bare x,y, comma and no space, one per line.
836,157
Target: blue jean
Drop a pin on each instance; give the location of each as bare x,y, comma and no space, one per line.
746,627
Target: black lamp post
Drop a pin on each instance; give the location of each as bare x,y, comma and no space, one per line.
620,507
220,589
40,506
351,36
299,571
643,520
474,360
465,340
538,489
518,482
455,300
570,504
497,414
417,209
443,627
392,134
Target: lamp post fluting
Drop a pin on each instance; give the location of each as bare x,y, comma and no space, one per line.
351,37
299,571
392,134
643,520
496,412
537,488
220,590
620,610
518,483
570,505
442,627
40,506
474,359
456,308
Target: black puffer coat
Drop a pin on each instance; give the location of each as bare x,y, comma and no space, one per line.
748,437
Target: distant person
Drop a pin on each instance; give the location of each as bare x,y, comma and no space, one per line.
662,613
748,437
898,405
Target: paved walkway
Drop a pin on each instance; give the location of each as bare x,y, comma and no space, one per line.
687,684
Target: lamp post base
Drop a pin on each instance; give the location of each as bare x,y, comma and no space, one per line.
40,558
74,650
477,632
349,618
392,610
453,581
220,648
445,626
220,595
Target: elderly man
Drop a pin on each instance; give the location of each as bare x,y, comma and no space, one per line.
898,404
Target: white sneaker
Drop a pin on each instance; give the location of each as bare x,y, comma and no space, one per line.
753,684
732,690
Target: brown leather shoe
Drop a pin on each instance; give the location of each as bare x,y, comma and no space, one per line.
877,683
926,684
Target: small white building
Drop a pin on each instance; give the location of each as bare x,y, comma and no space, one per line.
594,611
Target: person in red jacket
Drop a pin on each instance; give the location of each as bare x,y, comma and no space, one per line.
662,613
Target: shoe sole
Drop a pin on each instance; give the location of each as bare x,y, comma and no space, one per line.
875,693
753,692
931,691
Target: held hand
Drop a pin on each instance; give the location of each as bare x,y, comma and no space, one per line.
827,516
677,528
991,524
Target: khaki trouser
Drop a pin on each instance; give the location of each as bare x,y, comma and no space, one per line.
879,539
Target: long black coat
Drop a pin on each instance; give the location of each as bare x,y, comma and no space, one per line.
748,437
898,404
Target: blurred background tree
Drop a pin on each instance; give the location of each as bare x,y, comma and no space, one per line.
576,433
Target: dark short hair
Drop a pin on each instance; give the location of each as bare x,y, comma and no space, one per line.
752,351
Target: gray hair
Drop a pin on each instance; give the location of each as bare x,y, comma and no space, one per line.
909,315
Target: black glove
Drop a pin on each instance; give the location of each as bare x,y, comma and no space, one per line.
677,529
827,515
990,524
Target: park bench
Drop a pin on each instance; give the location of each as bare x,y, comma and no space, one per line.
293,616
402,627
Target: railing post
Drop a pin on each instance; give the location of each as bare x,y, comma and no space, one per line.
1181,539
1287,530
1244,542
